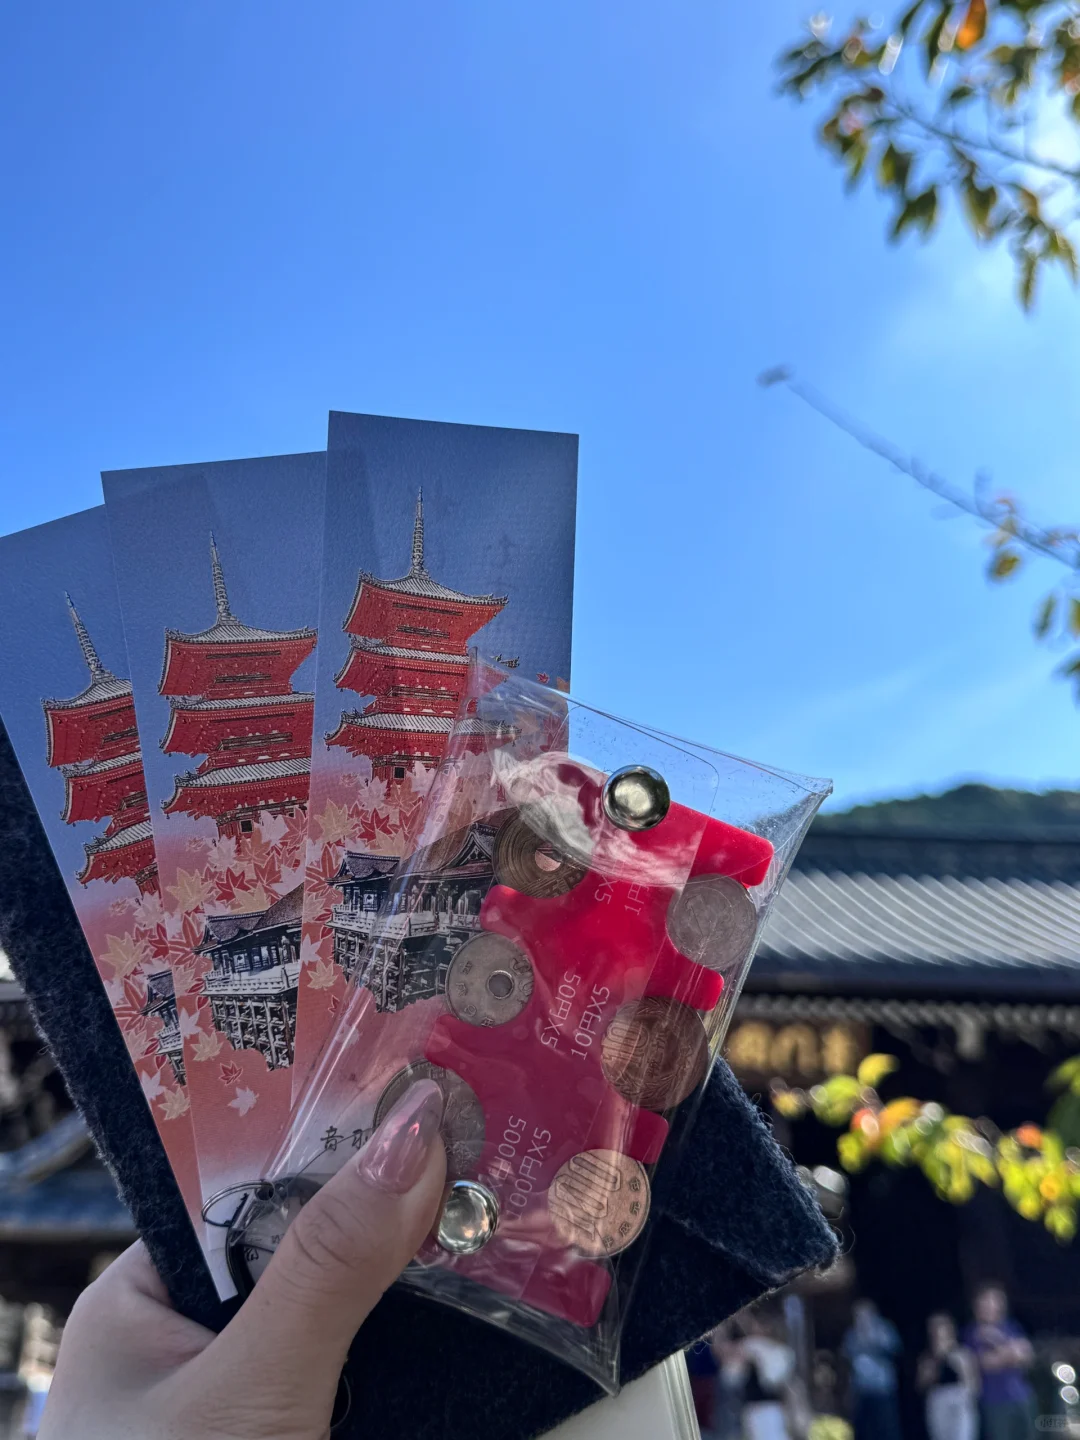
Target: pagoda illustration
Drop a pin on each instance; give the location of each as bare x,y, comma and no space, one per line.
409,651
253,982
94,743
232,701
436,912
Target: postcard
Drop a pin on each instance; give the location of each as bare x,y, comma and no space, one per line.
218,569
67,705
439,538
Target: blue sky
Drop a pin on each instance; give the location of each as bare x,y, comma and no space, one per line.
224,220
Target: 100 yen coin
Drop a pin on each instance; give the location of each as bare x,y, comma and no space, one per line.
599,1202
462,1127
655,1052
713,921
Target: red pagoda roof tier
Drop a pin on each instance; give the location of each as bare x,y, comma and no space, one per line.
125,854
417,612
105,787
231,659
261,786
408,680
98,722
398,738
232,729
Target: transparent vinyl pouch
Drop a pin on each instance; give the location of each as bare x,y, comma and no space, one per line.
561,952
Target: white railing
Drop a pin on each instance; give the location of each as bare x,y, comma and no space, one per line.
263,982
402,927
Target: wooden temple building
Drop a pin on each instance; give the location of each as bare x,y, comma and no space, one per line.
252,986
231,698
408,650
92,739
956,949
439,910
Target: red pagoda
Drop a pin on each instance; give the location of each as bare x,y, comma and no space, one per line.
94,742
230,690
409,650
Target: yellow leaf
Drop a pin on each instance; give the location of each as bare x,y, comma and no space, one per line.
874,1069
1004,564
125,954
973,26
322,975
208,1044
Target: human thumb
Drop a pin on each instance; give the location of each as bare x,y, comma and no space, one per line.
345,1247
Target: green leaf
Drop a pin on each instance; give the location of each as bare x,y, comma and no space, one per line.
958,94
926,207
894,167
1003,564
979,201
1044,618
908,18
1073,621
1029,269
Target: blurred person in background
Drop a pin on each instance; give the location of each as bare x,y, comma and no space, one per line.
949,1379
1004,1356
871,1347
762,1363
704,1370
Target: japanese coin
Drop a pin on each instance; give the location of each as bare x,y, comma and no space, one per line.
525,862
462,1127
599,1202
713,921
261,1226
489,980
655,1052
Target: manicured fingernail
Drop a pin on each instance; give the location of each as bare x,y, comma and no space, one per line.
395,1156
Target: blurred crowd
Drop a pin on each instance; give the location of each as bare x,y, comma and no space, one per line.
750,1382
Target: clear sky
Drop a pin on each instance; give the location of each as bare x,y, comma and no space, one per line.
221,221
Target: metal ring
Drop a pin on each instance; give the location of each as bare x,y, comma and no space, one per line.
249,1187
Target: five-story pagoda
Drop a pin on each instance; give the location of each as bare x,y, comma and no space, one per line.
232,701
408,650
94,742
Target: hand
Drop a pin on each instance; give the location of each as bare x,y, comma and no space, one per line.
131,1368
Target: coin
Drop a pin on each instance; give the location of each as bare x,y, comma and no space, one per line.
260,1227
599,1202
462,1127
655,1052
713,921
527,863
489,980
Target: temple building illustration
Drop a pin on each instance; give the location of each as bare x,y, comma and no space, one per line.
438,909
232,701
253,981
161,1004
409,651
94,743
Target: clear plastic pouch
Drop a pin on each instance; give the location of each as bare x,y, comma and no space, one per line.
561,952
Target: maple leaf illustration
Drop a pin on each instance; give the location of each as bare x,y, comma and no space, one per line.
174,1103
245,1099
275,828
230,1073
189,1022
192,890
334,823
322,975
148,911
207,1045
124,954
151,1085
222,853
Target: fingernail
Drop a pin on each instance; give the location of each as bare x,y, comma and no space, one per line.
395,1156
